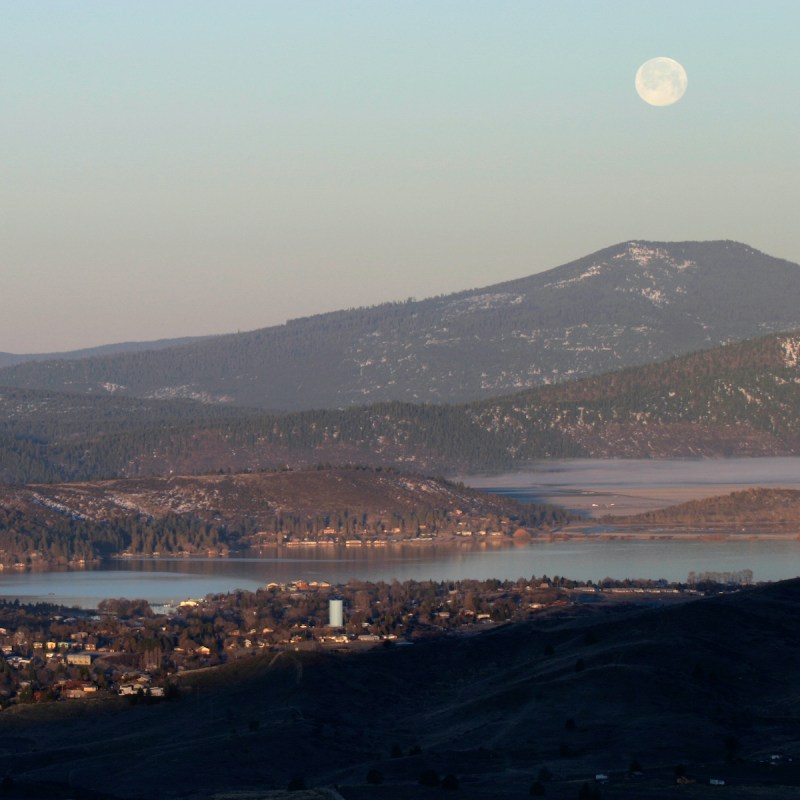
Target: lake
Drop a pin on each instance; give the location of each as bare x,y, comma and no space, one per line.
590,485
168,580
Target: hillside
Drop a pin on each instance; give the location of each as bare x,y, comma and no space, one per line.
183,515
750,509
630,304
709,685
742,399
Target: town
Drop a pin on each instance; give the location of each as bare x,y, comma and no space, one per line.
128,648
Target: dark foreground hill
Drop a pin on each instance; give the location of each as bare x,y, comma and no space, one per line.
626,305
739,400
710,685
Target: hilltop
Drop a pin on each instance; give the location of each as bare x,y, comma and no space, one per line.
629,304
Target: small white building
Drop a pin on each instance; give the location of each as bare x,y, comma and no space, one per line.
336,614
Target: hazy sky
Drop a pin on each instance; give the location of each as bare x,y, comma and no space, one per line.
174,168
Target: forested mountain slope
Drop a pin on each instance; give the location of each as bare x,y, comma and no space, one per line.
741,399
629,304
10,359
183,515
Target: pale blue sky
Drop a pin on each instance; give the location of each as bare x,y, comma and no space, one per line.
176,167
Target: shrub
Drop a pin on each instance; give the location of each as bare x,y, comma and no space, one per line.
428,777
450,782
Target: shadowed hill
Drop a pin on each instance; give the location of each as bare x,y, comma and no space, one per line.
710,684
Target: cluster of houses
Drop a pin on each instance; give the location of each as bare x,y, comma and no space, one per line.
126,648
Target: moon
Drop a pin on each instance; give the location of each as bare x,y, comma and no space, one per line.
661,81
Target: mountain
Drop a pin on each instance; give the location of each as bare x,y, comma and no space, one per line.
627,305
11,359
741,399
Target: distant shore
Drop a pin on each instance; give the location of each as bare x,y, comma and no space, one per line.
615,531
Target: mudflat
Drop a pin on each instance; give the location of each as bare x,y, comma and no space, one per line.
599,502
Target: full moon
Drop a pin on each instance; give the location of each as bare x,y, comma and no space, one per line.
661,81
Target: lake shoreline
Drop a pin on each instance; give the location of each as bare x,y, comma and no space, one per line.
586,531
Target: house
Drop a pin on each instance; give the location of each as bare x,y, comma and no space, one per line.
76,690
80,659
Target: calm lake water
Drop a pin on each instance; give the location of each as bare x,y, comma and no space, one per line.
166,580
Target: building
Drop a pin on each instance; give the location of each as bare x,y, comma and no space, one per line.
80,659
336,614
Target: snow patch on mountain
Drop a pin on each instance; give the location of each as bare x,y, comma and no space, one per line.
791,350
644,254
655,296
591,272
481,302
187,392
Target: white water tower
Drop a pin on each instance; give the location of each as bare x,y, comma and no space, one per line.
336,614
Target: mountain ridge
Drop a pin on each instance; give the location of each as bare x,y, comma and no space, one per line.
116,348
628,304
740,399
